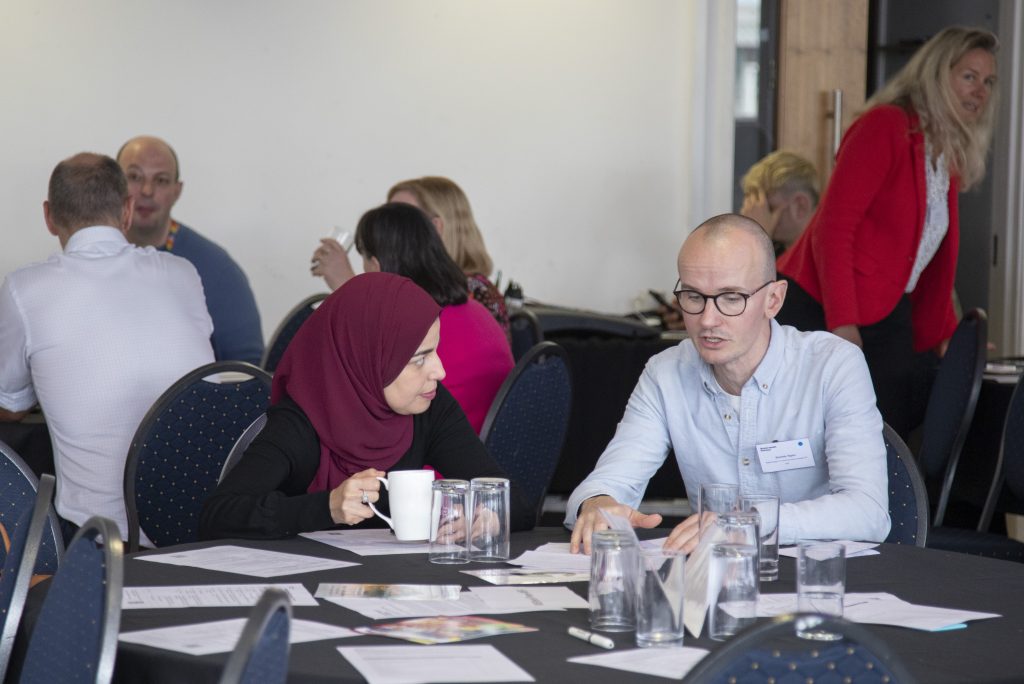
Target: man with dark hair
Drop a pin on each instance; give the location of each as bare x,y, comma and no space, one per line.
749,402
95,334
151,166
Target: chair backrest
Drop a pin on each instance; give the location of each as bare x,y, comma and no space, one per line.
286,330
179,450
75,635
20,564
17,494
772,652
1010,464
525,332
261,654
951,405
242,444
908,496
526,424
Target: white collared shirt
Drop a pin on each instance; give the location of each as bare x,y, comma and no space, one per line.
96,333
809,385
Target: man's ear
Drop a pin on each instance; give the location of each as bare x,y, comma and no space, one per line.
127,211
46,217
776,297
802,205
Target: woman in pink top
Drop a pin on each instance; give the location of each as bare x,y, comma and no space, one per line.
400,238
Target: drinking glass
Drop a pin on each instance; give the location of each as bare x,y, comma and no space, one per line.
614,565
449,522
820,583
659,600
732,589
716,498
767,507
489,500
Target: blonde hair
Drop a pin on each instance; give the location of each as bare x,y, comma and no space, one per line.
442,198
923,86
783,171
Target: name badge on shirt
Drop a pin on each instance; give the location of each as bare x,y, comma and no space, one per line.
776,456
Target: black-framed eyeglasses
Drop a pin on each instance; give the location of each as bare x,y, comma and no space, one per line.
728,303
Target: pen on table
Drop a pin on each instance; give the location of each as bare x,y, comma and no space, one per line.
596,639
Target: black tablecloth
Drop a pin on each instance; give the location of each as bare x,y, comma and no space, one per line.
987,651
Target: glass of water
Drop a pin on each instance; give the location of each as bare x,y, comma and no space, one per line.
821,582
767,507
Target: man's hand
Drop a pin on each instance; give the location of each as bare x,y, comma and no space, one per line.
686,534
330,261
755,206
590,520
850,333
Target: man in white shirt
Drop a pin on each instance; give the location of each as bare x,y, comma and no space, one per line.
95,334
742,381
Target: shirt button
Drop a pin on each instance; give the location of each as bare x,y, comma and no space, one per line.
727,416
746,461
764,386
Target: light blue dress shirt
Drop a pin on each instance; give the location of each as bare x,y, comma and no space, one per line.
809,385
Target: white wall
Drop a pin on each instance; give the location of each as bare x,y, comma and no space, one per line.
589,135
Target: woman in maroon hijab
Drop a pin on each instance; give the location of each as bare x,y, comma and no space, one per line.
357,393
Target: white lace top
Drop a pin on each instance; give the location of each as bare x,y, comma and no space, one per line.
936,217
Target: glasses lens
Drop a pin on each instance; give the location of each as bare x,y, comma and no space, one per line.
731,303
690,302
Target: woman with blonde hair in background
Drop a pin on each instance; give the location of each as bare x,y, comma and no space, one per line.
877,262
449,210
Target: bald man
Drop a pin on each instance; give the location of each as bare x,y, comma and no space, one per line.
741,381
151,167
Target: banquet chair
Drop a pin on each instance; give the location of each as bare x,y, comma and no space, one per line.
525,331
1010,464
243,442
75,635
286,330
772,652
179,449
526,424
908,497
951,405
17,493
261,654
19,566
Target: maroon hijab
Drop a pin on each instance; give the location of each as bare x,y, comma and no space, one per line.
338,364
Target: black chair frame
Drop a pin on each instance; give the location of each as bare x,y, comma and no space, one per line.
275,347
11,455
754,637
906,458
159,407
1010,464
270,602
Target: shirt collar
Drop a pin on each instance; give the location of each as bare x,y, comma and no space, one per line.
84,238
766,371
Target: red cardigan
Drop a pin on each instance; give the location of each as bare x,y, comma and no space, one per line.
856,255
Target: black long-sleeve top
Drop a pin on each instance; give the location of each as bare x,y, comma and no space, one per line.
265,495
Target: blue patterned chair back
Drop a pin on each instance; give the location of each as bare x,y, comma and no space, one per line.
18,494
19,565
75,635
261,655
951,405
526,425
293,320
179,450
525,332
908,497
773,653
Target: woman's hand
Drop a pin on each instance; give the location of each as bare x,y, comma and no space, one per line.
330,261
346,502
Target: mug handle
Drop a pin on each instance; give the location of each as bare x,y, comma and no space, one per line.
373,508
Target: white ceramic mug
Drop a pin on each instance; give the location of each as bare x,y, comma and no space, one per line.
409,494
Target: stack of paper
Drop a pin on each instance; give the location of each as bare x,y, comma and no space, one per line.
221,636
880,609
245,561
209,595
478,600
672,663
367,542
426,664
854,549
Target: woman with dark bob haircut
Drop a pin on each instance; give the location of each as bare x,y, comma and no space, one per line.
399,238
357,394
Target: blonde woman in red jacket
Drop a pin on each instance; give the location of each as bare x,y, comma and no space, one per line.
877,261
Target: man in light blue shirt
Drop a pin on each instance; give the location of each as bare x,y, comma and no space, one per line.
741,380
